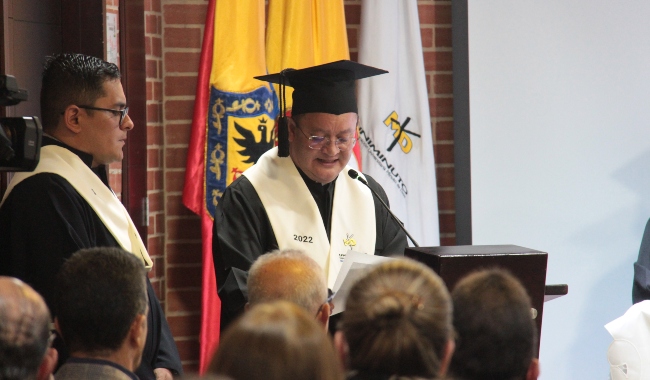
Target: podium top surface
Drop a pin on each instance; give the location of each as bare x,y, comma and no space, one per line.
478,250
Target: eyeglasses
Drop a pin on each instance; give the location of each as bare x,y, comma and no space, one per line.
330,298
122,112
318,142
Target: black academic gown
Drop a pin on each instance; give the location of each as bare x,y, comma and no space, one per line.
242,232
43,222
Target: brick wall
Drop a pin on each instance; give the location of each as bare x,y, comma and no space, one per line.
172,71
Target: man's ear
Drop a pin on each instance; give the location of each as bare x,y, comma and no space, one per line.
71,118
247,307
323,315
138,331
48,364
446,358
291,126
342,349
533,370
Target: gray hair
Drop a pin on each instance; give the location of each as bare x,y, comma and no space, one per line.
288,275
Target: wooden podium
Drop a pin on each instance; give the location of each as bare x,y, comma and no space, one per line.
452,263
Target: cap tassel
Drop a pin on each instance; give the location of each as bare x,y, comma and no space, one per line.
283,128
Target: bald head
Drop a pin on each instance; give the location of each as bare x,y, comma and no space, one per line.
288,275
24,329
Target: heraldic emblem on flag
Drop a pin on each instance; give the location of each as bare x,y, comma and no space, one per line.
241,127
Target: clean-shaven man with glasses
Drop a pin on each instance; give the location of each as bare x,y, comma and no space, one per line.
66,203
306,200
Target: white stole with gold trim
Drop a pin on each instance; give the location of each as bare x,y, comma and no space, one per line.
61,161
296,221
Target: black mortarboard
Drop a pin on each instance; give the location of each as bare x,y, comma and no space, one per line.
327,88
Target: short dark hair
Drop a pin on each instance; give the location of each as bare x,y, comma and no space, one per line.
397,320
275,341
24,330
497,336
99,292
72,79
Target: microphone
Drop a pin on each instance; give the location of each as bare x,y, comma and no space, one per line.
354,175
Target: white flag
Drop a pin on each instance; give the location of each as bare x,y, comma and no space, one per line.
395,126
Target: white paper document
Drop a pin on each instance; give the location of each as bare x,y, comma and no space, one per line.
354,265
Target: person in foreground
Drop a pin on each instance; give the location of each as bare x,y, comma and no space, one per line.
497,337
25,352
289,275
397,324
101,304
276,341
306,200
66,203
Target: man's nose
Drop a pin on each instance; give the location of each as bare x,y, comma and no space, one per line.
127,123
330,147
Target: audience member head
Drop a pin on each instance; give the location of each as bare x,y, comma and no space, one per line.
289,275
276,341
397,321
72,79
496,335
101,305
25,352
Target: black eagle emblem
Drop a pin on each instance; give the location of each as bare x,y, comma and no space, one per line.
254,149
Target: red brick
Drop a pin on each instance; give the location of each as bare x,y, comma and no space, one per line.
150,95
184,229
446,200
153,158
427,37
429,80
184,14
443,84
156,201
175,158
444,153
184,300
190,37
157,90
188,349
160,223
156,47
353,39
178,133
442,14
443,37
154,179
184,325
147,46
152,68
444,131
175,206
178,62
155,6
352,14
441,107
354,56
155,284
174,180
184,277
445,176
437,61
153,113
154,135
426,13
447,241
180,85
184,253
151,24
447,223
155,245
179,109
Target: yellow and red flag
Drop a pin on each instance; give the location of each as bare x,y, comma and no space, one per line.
233,124
304,33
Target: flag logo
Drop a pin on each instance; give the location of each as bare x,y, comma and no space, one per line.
241,127
400,133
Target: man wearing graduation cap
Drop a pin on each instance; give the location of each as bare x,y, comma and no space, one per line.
307,200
